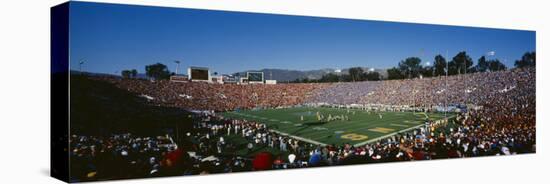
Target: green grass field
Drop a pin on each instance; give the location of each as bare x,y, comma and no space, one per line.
362,126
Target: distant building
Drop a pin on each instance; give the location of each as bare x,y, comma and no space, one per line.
217,79
270,81
243,80
230,79
179,78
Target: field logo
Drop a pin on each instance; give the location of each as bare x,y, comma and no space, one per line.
354,137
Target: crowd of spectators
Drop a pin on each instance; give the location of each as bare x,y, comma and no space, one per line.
476,88
118,156
218,97
345,92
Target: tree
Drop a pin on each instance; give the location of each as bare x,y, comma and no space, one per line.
330,77
410,67
482,64
133,73
440,65
306,80
157,71
495,65
372,76
460,64
527,60
344,78
356,74
395,73
427,71
126,73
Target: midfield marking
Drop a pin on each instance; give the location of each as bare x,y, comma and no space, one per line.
354,137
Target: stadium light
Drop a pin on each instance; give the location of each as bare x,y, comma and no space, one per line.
412,100
177,66
338,73
465,83
80,66
446,75
489,54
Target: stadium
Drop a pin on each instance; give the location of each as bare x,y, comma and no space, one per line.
239,126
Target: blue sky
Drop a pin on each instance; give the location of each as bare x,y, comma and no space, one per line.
111,38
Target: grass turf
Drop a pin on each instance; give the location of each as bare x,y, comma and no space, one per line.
362,126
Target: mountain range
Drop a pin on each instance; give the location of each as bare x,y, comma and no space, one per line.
291,75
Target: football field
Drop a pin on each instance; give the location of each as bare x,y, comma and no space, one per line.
354,126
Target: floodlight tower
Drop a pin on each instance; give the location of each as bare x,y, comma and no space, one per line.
338,73
80,66
420,74
177,66
464,78
412,100
446,75
489,54
428,64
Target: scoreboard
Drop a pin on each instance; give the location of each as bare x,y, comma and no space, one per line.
199,74
255,77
